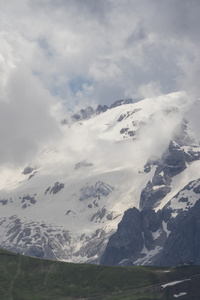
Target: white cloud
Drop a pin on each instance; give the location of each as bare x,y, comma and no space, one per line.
91,51
25,117
152,89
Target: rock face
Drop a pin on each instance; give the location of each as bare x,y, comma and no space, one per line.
127,241
84,114
183,243
101,109
96,191
121,102
57,187
134,238
173,162
87,113
83,164
165,237
28,170
169,235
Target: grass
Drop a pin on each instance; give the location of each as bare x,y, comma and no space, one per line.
28,278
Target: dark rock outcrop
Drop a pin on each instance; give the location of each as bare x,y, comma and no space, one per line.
165,237
4,201
127,241
150,196
183,243
95,191
173,162
29,199
101,109
87,113
83,114
57,187
122,102
83,164
28,170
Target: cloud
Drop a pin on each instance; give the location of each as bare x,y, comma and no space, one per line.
27,122
152,89
111,44
74,52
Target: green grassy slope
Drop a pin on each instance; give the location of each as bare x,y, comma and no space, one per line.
27,278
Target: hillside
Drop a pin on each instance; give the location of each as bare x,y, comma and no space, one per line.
27,278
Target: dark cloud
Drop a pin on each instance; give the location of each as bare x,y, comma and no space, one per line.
77,8
177,18
137,35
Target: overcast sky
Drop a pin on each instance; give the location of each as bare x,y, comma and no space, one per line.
66,54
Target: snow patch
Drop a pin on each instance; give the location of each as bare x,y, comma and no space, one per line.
164,225
157,187
180,295
156,234
174,215
148,254
173,283
122,261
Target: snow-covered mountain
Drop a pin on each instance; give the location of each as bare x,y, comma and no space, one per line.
136,157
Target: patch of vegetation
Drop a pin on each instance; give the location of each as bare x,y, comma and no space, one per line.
28,278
